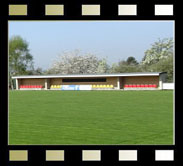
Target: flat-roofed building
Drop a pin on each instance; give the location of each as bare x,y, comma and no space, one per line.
146,80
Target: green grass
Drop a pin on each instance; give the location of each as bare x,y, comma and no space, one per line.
90,117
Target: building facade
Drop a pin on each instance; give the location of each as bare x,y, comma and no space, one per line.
96,81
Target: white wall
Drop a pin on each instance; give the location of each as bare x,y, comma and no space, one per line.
168,85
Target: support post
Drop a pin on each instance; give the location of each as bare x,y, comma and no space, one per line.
118,83
46,84
17,84
160,84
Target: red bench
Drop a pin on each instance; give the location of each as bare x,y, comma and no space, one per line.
154,86
125,86
31,86
146,85
140,86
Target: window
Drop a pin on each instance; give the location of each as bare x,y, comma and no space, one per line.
84,80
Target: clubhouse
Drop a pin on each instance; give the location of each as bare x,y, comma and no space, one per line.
117,81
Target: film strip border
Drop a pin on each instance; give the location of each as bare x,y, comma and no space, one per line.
91,155
28,155
91,10
87,9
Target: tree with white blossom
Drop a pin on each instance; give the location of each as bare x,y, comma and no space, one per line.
161,49
74,62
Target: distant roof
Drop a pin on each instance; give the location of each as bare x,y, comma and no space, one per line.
90,75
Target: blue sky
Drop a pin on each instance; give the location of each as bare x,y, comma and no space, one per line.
114,40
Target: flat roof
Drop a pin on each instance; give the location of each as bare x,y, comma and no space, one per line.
90,75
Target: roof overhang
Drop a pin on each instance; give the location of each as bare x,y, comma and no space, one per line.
89,75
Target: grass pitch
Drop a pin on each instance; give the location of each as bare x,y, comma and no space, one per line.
90,117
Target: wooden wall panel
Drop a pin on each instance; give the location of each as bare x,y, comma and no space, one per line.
141,80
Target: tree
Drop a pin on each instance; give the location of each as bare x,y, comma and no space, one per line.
159,50
165,65
103,67
126,66
74,62
37,71
159,58
20,59
131,61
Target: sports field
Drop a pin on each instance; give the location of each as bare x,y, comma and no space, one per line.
90,117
